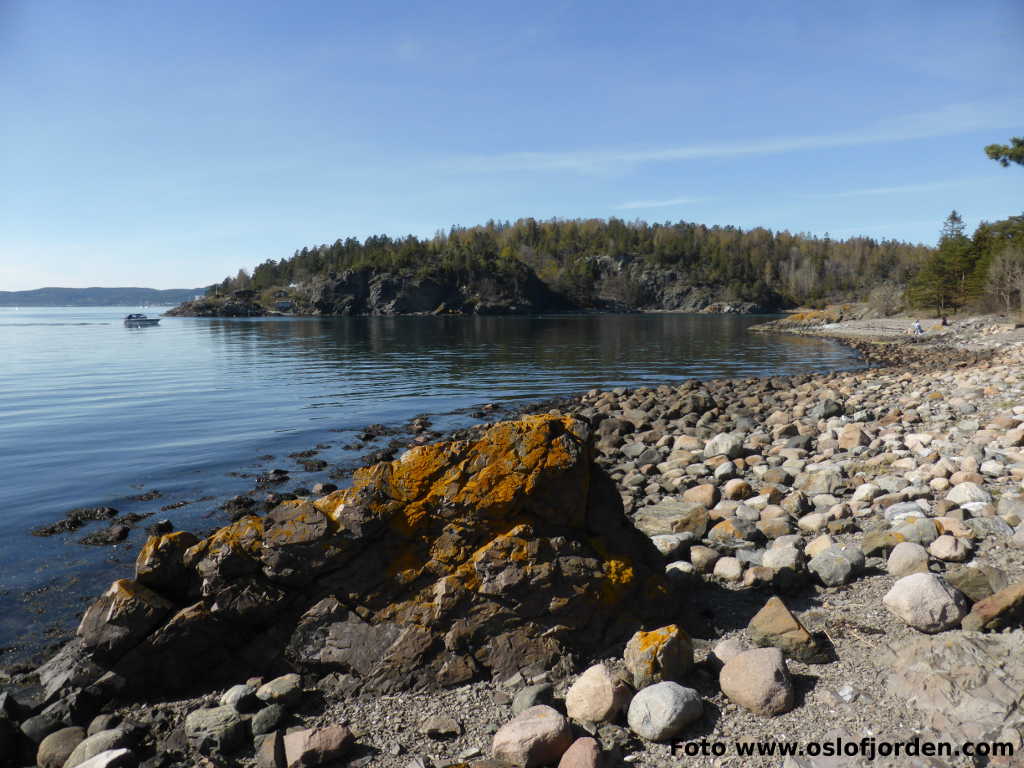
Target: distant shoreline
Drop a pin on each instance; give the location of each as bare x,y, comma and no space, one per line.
98,297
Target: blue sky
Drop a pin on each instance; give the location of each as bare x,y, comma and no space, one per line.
167,144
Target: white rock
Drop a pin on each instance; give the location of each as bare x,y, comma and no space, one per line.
728,445
729,648
728,569
867,492
813,522
965,493
111,758
663,710
926,603
783,557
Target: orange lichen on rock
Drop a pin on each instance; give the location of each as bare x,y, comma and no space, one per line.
456,559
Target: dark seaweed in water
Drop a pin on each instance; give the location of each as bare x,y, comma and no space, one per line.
75,519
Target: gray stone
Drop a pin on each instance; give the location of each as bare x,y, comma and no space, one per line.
216,730
825,409
907,558
983,527
898,513
241,697
672,545
919,531
285,690
661,711
55,749
441,727
669,517
531,696
781,558
267,719
978,581
950,549
966,493
833,567
104,722
663,654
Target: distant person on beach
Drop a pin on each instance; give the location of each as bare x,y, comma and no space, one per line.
918,330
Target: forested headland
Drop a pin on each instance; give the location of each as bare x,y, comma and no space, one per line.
597,264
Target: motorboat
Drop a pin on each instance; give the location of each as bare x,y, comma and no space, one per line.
139,321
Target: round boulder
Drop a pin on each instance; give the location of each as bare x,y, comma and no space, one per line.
661,711
56,748
537,736
597,696
926,602
758,680
907,558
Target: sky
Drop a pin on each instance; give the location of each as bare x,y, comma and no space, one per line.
168,144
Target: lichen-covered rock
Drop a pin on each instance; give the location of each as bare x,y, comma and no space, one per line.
459,560
161,563
659,655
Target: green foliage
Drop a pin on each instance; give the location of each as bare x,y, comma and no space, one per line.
590,261
961,270
1004,154
944,280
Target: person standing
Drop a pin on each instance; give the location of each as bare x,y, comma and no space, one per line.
918,330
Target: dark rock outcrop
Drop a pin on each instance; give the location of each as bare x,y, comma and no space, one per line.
459,560
371,292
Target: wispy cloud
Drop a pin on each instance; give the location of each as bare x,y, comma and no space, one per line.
948,121
642,204
899,189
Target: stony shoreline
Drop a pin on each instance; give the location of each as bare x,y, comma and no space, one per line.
785,511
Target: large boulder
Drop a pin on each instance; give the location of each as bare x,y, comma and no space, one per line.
597,696
758,681
537,736
459,560
926,602
661,711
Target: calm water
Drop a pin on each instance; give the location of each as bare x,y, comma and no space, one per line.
93,413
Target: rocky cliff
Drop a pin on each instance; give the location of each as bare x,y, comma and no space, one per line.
617,287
